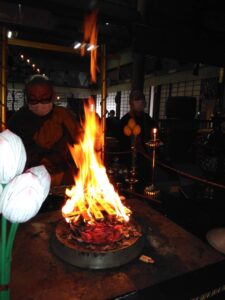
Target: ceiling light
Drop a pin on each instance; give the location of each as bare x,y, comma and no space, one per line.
33,65
38,70
28,60
22,56
90,47
77,45
107,23
9,34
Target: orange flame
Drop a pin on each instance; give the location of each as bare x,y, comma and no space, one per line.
91,36
93,195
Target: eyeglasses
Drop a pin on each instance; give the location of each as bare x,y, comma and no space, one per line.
36,101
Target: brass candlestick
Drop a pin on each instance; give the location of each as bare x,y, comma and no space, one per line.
152,190
132,179
132,129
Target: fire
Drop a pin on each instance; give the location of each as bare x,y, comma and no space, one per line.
90,35
93,197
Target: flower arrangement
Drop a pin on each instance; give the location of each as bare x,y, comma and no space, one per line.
21,197
132,128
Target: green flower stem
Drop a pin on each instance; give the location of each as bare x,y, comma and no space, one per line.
3,249
6,245
4,295
12,234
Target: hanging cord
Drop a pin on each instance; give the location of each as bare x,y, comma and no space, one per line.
184,174
179,172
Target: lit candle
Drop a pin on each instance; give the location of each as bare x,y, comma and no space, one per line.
154,134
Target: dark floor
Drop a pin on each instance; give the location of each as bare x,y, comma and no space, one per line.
195,206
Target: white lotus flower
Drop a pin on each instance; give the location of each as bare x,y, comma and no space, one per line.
43,176
12,156
22,198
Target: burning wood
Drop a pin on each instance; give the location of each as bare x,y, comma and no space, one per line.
107,232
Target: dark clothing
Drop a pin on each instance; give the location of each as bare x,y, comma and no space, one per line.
46,138
112,127
143,165
216,141
215,147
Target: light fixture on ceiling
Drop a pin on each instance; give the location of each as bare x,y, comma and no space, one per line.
12,34
28,61
77,45
90,47
9,34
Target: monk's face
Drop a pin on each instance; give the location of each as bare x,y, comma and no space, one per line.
137,106
40,99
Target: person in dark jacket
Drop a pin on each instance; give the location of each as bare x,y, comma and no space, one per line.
136,128
46,130
215,147
112,125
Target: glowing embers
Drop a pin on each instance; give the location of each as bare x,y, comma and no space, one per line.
109,254
107,234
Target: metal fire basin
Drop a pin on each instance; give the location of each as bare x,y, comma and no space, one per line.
79,256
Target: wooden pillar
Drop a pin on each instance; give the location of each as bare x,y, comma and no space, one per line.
138,72
3,64
118,104
221,89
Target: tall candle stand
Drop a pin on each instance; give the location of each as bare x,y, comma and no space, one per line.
132,179
154,143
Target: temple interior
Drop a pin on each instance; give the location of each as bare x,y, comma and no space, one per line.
116,109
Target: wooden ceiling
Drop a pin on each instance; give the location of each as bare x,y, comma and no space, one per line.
189,31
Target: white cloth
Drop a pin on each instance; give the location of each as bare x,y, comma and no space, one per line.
12,156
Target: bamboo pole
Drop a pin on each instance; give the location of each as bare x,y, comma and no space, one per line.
103,97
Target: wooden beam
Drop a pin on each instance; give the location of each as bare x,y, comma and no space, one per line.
42,46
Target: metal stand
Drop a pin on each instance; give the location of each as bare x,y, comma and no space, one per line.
132,179
152,190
